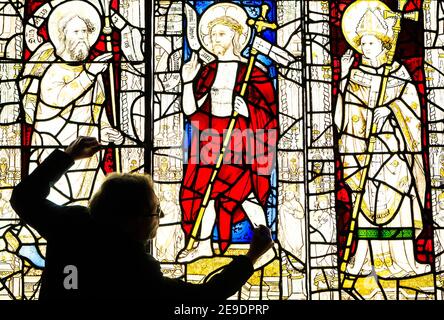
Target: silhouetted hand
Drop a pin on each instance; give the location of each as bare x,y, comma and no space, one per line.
83,147
260,243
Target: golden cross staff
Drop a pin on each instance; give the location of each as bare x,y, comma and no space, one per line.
398,16
107,31
260,24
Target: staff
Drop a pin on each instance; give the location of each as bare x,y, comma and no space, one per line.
107,31
260,25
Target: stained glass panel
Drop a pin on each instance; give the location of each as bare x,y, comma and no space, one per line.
319,119
69,68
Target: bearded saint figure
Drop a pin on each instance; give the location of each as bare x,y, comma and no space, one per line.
64,99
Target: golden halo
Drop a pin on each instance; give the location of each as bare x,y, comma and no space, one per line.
81,9
217,11
352,16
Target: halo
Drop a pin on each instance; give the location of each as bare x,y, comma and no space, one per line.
352,16
79,8
219,10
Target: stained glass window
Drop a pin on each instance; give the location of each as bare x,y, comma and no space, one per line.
319,119
69,68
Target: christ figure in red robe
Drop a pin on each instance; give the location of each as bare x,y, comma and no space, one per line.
211,94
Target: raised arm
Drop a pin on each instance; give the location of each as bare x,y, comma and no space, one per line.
189,73
29,196
225,283
219,287
346,63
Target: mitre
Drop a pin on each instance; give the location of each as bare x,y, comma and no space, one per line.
372,22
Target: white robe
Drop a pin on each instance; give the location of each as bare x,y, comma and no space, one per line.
62,102
395,187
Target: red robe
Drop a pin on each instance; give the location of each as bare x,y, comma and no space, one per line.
248,162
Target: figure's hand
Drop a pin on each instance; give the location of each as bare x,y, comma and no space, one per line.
346,62
241,107
320,217
260,243
190,69
381,113
83,147
99,64
109,134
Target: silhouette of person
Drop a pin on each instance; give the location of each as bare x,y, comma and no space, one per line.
101,249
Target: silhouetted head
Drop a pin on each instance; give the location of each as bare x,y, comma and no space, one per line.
128,202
